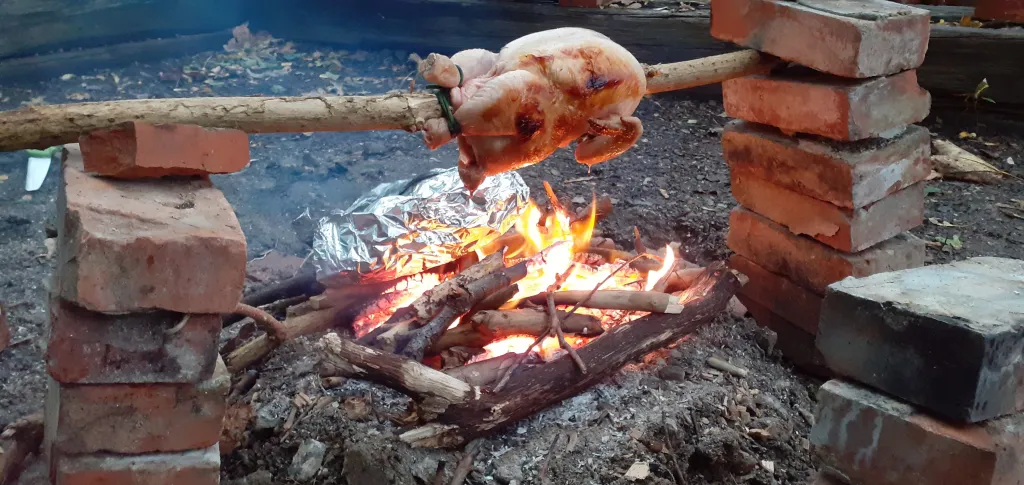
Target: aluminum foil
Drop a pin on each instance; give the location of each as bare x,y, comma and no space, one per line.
406,227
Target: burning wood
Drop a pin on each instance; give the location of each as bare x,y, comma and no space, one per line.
454,412
638,301
488,326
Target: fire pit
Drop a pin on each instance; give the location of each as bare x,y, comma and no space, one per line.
522,321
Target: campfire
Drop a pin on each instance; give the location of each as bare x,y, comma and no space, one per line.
515,325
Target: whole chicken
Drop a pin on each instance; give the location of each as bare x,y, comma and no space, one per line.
541,92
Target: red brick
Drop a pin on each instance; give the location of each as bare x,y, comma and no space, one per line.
795,344
131,245
873,439
198,467
782,297
1006,10
849,230
809,263
5,331
96,348
846,174
836,108
860,39
136,418
135,150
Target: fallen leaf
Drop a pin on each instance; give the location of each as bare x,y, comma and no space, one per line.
639,471
954,162
3,178
932,190
965,135
768,465
664,193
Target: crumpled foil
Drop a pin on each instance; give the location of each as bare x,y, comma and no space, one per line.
405,227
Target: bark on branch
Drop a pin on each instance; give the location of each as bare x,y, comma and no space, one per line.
45,126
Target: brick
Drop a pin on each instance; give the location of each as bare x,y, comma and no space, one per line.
897,332
855,39
95,348
871,438
135,150
132,245
1006,10
197,467
809,263
849,230
782,297
795,343
847,174
136,418
836,108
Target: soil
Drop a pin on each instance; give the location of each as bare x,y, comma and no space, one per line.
673,185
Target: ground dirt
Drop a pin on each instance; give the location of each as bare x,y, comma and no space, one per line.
674,186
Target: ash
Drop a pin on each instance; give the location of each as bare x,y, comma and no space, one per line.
670,410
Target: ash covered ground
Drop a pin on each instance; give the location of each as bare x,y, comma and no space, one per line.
669,412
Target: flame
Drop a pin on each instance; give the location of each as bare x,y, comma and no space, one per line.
655,276
553,243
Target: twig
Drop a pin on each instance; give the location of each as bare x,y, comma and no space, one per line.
722,365
542,476
556,324
465,464
180,325
274,329
559,281
638,244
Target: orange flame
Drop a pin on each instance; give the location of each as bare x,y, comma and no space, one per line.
552,243
655,276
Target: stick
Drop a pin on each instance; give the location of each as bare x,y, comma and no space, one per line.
434,389
264,320
304,283
260,347
556,324
491,325
722,365
708,70
644,263
492,302
45,126
637,301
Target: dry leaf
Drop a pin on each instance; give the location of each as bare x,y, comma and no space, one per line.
664,193
956,163
965,135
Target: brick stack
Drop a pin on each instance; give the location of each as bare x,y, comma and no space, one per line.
825,159
146,263
932,379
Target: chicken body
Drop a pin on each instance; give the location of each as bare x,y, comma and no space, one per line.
541,92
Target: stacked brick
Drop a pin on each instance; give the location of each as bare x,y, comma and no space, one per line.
149,255
931,386
825,159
